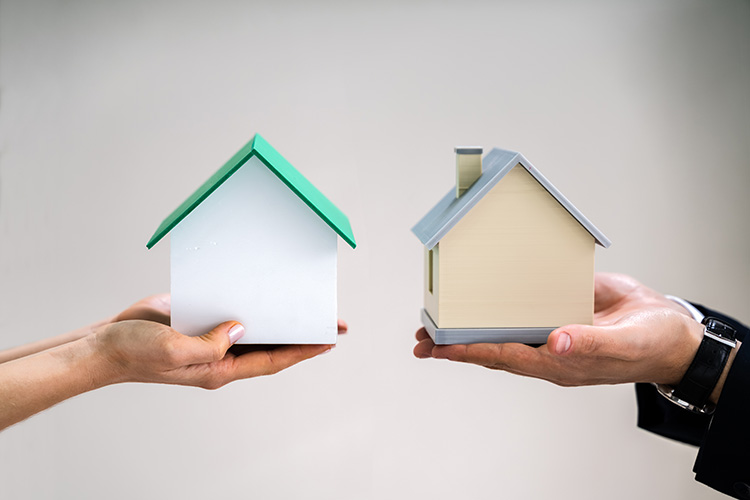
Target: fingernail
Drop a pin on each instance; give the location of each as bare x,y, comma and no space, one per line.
563,343
236,333
326,351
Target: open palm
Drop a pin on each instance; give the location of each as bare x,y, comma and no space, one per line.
638,336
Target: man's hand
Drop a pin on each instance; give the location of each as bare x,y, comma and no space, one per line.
638,336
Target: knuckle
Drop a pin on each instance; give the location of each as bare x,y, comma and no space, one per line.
587,343
172,354
272,364
218,352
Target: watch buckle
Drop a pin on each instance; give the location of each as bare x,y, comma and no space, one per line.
729,342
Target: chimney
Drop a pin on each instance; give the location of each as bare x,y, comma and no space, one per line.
468,167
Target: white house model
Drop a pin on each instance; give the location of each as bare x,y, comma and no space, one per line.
256,243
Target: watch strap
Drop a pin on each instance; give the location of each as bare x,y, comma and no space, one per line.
704,372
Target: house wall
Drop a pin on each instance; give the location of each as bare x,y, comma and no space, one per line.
431,297
517,259
254,252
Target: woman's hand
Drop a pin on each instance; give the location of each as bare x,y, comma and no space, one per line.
137,345
154,308
638,336
148,351
142,348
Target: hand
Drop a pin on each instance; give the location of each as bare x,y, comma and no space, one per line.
149,351
156,308
129,348
638,336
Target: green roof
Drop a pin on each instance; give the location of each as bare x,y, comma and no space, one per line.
284,170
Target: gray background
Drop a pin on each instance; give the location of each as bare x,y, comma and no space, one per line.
111,113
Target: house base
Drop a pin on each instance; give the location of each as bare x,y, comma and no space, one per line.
448,336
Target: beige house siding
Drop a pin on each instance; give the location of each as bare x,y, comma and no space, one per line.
517,259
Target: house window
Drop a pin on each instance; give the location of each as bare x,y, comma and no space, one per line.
429,270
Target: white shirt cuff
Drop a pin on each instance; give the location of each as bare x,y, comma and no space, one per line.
695,313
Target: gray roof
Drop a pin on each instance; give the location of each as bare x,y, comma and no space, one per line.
498,162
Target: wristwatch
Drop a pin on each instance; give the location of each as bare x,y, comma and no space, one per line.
703,374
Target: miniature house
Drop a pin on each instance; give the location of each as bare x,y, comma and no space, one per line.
256,243
507,257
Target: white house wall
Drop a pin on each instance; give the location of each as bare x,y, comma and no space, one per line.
255,252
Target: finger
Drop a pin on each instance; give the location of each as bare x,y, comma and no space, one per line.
512,357
211,346
611,288
342,326
160,301
155,308
587,340
518,359
423,349
605,293
144,313
257,363
422,334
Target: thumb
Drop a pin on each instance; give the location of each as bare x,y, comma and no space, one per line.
212,346
579,339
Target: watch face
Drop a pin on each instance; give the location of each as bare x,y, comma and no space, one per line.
720,328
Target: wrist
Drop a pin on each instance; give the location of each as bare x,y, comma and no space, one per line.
104,365
686,308
702,383
690,340
77,366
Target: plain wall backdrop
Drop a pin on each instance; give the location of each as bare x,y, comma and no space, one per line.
111,113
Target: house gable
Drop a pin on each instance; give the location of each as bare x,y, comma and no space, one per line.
270,263
517,259
498,162
296,182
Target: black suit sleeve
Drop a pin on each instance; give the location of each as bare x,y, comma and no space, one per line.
723,461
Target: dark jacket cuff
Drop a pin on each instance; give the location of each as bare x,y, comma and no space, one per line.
723,461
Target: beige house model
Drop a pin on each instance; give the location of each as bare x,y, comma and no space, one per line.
507,257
